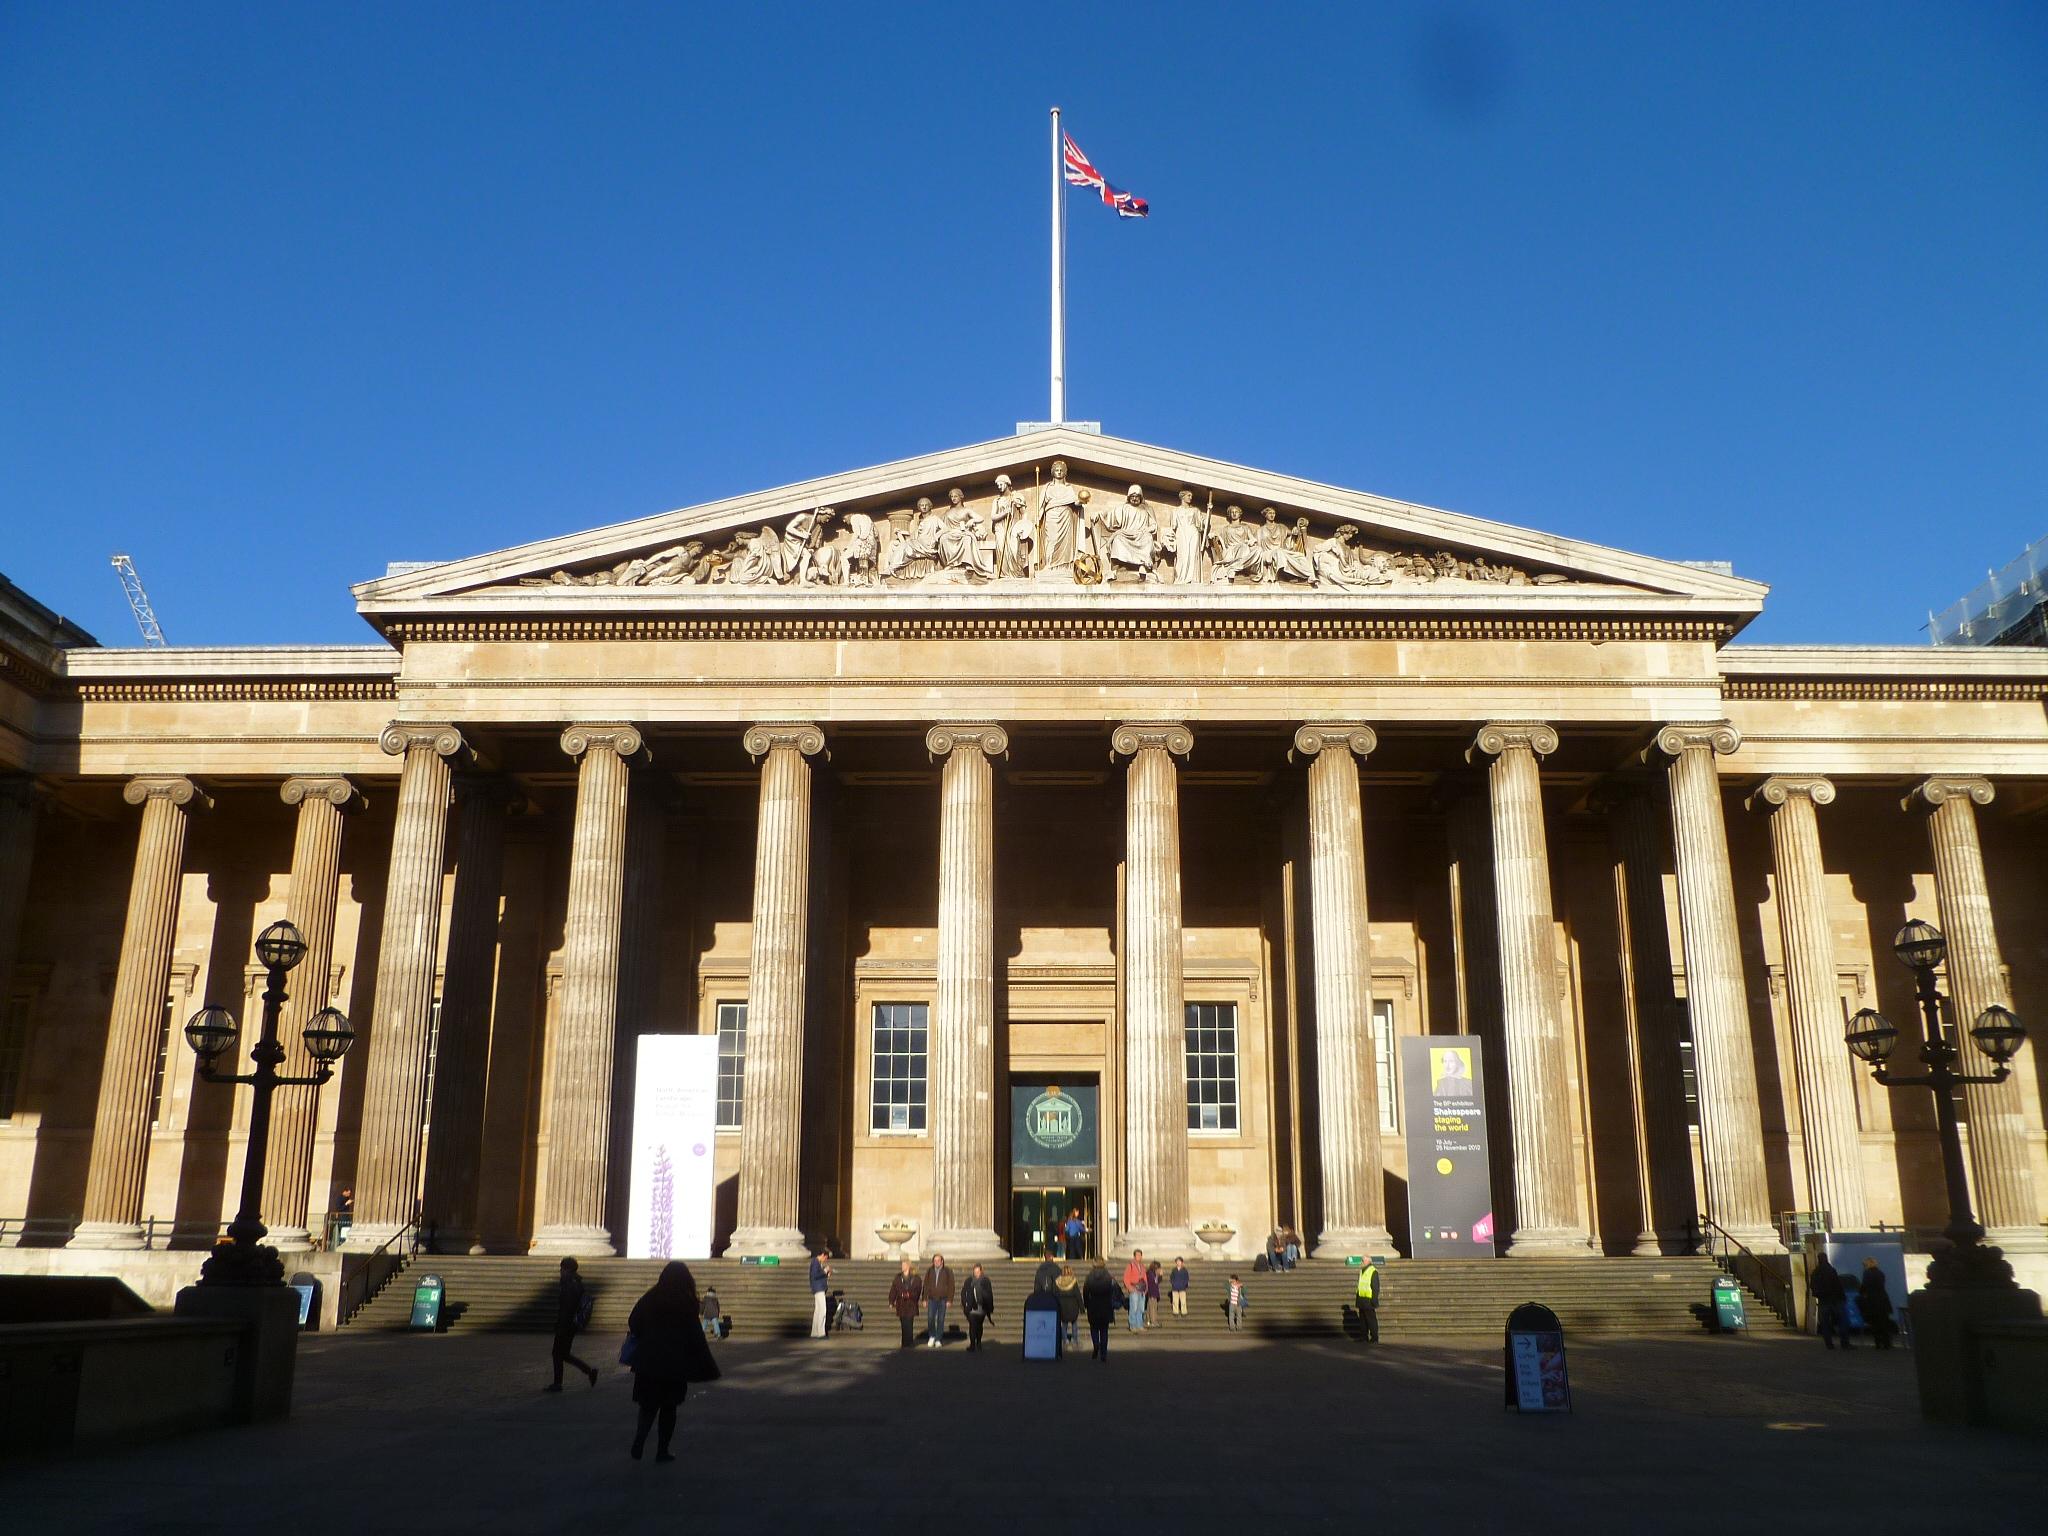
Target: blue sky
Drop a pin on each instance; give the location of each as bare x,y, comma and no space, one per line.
294,290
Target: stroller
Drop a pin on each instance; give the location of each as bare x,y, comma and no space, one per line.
845,1313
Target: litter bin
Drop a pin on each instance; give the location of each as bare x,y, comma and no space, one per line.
1728,1316
426,1303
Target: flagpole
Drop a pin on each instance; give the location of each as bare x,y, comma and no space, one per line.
1059,277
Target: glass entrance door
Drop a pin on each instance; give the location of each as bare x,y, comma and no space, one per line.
1038,1219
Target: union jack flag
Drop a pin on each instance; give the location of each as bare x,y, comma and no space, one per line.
1081,172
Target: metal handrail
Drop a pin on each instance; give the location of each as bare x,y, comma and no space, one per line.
379,1267
17,1231
1750,1271
158,1232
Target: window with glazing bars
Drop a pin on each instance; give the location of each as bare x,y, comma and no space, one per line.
1212,1066
732,1064
898,1102
1385,1065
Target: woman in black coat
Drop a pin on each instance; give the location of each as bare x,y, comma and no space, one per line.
1874,1300
668,1353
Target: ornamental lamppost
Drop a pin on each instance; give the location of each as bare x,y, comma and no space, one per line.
1967,1261
241,1260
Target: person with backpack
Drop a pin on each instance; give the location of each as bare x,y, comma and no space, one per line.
1824,1284
1067,1298
906,1294
1369,1301
666,1349
712,1314
978,1301
572,1315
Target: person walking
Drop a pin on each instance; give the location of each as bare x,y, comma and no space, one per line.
1067,1295
1874,1299
906,1293
665,1346
938,1291
1233,1304
821,1290
1177,1287
1098,1298
1077,1236
572,1314
712,1314
1824,1285
1134,1288
1369,1301
978,1301
1152,1294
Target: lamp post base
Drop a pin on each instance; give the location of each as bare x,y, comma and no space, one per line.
1946,1358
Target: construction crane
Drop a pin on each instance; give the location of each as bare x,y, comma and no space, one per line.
138,600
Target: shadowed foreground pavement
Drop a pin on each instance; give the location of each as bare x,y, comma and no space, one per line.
451,1433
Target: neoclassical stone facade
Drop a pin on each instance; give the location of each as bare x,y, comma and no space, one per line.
1059,762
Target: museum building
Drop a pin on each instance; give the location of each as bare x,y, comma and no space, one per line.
1056,823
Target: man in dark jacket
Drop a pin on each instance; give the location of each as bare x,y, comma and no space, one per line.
570,1315
938,1292
978,1301
821,1283
1100,1297
1825,1285
906,1292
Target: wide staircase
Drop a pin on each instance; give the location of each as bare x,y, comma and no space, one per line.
1433,1299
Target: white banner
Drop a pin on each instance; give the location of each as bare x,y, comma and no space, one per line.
675,1122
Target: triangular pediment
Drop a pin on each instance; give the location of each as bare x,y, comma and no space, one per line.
1061,516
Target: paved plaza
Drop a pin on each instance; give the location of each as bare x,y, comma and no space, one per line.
452,1434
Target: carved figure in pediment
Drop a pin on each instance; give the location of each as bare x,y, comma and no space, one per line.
1013,531
1291,559
1060,532
1186,539
1128,537
1337,564
664,568
763,560
1236,547
861,551
960,550
1271,537
807,556
914,551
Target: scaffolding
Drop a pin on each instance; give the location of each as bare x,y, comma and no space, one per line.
138,601
1991,612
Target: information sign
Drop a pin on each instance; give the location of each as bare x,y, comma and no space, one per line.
426,1303
1041,1333
1728,1314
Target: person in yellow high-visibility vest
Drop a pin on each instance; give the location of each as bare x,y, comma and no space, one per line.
1369,1301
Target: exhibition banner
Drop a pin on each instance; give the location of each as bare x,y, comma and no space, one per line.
675,1121
1450,1194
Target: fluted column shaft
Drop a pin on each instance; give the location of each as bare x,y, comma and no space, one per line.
315,892
18,796
394,1083
963,1051
120,1130
1827,1091
2001,1177
1669,1203
1348,1121
572,1213
1731,1124
1547,1215
1155,1025
448,1204
771,1116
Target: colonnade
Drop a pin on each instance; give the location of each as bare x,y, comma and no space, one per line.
1529,1018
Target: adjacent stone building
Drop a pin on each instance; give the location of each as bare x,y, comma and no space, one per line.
1054,763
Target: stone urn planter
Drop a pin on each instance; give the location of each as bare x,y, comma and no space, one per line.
1215,1233
894,1234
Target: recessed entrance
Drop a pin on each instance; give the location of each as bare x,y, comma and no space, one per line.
1055,1141
1039,1217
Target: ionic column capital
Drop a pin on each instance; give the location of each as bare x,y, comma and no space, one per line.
175,788
1131,739
1716,736
1361,740
611,736
403,736
796,736
990,740
334,789
1932,793
1779,788
1501,736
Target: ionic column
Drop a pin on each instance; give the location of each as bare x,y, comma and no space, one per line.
401,1017
1658,1078
1827,1091
1731,1124
1547,1216
315,891
1155,1216
1354,1193
572,1213
448,1204
120,1128
2001,1180
18,805
963,1052
771,1115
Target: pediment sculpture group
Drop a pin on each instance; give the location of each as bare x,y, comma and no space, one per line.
1054,536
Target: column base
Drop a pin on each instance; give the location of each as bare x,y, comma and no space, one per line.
975,1245
1551,1243
572,1243
1342,1243
368,1236
1758,1240
1162,1243
1648,1245
446,1241
107,1235
2033,1239
767,1243
291,1239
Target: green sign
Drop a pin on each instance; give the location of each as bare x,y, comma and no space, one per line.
1053,1125
426,1302
1728,1305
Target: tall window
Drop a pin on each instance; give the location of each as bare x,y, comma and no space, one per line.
13,1052
1687,1072
433,1066
1212,1066
1383,1045
901,1040
732,1064
163,1066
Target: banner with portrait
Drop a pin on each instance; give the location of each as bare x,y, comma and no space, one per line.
1450,1192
